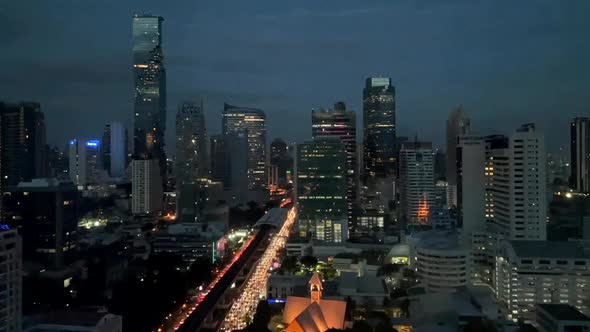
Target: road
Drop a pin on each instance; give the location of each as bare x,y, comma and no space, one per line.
252,292
207,301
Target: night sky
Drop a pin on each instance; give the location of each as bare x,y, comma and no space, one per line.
507,62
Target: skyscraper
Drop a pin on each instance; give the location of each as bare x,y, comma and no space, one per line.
146,187
150,90
580,154
416,181
458,125
46,212
280,158
341,123
23,142
519,188
113,149
10,279
321,188
471,184
57,162
252,123
84,161
379,127
191,144
229,164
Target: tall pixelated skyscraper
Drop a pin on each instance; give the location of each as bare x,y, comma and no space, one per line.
580,154
379,127
149,118
192,162
250,122
23,142
113,149
518,190
341,123
416,181
321,189
458,125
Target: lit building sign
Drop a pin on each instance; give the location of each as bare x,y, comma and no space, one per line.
92,143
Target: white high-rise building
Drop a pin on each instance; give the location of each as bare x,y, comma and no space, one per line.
416,181
146,186
518,193
84,156
471,163
10,280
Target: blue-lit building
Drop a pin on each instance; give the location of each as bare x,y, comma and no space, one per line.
84,155
149,116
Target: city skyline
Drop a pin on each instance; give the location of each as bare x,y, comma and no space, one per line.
478,71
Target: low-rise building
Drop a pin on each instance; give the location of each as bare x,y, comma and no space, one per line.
282,286
362,289
529,272
451,311
78,321
441,260
190,241
560,318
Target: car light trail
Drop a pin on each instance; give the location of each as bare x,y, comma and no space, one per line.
175,320
245,305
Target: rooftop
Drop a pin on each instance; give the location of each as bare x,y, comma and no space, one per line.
365,284
550,249
563,312
439,240
85,318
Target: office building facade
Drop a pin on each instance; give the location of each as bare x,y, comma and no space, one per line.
11,283
280,158
458,125
113,149
529,272
46,210
23,142
321,189
518,191
146,187
192,162
251,123
229,164
580,154
341,123
84,161
379,127
416,182
471,184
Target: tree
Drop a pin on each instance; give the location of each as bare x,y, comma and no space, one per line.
409,274
397,293
290,264
384,327
369,304
350,307
327,272
361,326
388,269
405,307
261,317
309,262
